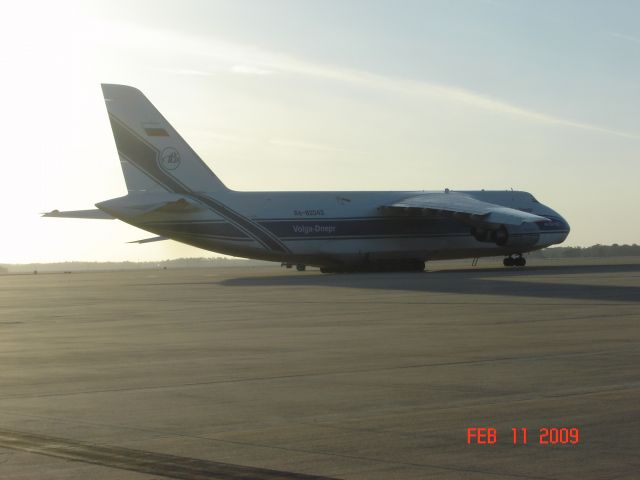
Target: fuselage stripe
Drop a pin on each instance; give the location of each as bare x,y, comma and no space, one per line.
266,238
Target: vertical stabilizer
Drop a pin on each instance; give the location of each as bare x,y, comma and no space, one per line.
154,157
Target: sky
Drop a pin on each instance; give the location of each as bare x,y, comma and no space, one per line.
542,96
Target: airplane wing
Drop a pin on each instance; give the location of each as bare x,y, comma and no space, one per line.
149,240
461,207
95,214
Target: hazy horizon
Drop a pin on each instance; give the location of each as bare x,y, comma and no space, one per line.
352,95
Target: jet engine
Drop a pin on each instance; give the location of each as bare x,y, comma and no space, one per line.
522,236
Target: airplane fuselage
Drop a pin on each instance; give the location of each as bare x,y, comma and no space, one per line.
332,228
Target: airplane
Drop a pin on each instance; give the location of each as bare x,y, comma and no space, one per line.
173,194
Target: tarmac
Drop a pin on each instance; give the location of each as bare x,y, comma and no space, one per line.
268,373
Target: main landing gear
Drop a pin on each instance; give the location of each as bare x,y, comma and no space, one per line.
300,266
517,261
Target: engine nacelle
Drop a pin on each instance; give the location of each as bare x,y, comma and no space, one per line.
522,236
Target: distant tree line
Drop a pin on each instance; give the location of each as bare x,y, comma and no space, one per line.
103,266
597,250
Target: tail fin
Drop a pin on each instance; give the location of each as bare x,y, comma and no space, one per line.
154,157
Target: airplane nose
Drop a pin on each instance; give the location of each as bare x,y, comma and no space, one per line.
558,221
554,231
562,226
566,226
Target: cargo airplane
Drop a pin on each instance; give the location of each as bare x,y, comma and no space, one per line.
175,195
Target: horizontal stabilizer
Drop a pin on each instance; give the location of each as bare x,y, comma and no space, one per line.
149,240
181,205
138,205
93,214
462,207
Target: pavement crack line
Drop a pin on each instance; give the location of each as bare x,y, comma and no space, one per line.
169,466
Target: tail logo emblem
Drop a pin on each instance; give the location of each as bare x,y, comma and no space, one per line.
170,159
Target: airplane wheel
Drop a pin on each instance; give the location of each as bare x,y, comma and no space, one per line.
520,261
331,270
508,262
301,268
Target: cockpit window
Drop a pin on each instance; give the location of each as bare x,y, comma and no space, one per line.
533,199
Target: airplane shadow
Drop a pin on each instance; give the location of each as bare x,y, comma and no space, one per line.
483,281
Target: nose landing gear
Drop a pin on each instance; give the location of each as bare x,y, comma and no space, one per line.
517,261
